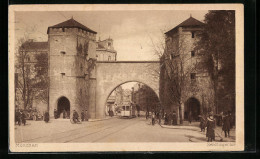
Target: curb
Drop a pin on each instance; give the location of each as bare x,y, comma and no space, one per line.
180,127
93,120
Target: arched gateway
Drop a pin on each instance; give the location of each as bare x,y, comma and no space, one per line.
109,75
76,72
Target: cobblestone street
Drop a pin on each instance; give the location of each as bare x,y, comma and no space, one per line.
111,130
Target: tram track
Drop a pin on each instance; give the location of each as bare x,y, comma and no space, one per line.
121,127
75,132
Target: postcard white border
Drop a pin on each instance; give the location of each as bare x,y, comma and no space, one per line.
158,146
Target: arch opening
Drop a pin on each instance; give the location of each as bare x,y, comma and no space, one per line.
63,107
192,109
139,94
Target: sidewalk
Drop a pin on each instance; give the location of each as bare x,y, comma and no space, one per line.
194,126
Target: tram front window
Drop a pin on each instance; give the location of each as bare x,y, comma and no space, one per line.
127,108
123,107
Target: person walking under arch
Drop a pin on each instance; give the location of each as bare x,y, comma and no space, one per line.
190,117
55,114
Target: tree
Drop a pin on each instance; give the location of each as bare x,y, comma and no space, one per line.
24,69
217,43
41,83
32,69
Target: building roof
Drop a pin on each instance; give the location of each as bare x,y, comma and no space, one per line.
71,23
30,45
188,22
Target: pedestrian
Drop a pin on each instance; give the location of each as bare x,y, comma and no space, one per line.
75,116
166,119
22,118
46,117
174,118
55,114
64,113
82,115
160,117
190,117
202,123
210,128
170,117
68,114
153,118
86,118
17,116
226,124
231,119
146,115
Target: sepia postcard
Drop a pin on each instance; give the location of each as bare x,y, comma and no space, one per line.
126,77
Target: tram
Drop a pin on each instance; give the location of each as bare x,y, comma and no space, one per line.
128,110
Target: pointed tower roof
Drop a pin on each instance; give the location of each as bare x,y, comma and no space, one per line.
188,22
71,23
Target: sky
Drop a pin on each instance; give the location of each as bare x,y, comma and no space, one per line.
132,31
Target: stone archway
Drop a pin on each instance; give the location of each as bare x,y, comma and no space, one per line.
192,108
63,104
154,94
109,75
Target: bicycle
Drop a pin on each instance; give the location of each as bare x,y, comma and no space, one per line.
75,121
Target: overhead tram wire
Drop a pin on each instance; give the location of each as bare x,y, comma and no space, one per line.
62,15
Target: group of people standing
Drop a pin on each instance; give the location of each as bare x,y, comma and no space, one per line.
20,117
75,116
169,118
65,114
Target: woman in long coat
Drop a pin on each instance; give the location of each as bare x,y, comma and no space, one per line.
210,128
226,125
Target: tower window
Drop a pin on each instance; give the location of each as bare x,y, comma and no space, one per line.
62,74
192,53
192,34
28,59
81,67
193,76
172,55
63,52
